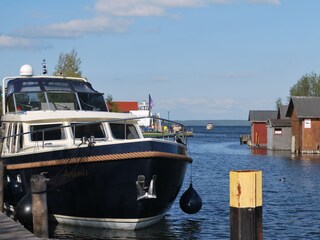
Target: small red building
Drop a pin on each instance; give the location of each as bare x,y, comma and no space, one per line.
124,107
258,119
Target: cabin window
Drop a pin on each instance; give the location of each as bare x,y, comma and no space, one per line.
28,86
23,86
277,131
39,132
17,142
20,140
14,141
124,131
9,133
62,101
56,86
10,104
14,138
88,130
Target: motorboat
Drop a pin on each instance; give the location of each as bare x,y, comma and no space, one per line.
210,126
100,169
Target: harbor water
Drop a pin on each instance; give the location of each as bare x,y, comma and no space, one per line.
291,192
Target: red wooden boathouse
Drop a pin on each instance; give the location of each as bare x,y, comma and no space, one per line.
258,120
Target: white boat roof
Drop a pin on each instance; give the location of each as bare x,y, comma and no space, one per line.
57,116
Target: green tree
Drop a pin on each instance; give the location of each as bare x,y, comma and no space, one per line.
111,105
307,85
278,103
68,65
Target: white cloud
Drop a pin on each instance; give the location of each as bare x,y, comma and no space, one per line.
75,28
109,16
145,8
276,2
142,8
128,8
9,42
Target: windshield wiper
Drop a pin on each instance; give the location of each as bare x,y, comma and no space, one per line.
61,105
89,105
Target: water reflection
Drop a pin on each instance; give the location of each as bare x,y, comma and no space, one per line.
191,229
185,229
61,231
285,154
259,151
315,158
271,153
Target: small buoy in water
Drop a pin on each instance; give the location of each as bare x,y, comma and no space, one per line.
190,201
23,212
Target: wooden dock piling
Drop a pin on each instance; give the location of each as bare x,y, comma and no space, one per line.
39,206
245,205
244,139
1,186
10,229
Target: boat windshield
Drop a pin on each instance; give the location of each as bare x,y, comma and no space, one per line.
92,101
31,94
26,101
62,101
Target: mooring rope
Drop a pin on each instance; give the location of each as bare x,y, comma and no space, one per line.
99,158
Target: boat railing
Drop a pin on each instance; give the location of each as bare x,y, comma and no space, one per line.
161,128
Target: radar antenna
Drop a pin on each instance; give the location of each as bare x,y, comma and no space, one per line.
44,67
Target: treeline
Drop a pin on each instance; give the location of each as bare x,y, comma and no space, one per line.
307,85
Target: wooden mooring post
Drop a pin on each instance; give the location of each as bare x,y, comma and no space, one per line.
39,206
246,205
1,185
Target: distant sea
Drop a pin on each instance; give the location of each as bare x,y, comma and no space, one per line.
222,123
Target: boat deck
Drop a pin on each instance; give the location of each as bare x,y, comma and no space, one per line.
9,229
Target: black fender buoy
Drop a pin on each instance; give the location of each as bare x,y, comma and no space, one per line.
190,201
23,211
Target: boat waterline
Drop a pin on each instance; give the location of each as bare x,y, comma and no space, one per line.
108,223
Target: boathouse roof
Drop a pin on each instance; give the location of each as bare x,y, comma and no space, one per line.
305,107
279,122
262,115
282,111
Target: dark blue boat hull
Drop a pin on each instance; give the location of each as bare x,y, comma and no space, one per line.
104,188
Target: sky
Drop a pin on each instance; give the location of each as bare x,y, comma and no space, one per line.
198,59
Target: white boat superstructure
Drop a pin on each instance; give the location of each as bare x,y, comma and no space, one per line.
101,170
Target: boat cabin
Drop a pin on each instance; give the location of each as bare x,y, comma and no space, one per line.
51,93
51,112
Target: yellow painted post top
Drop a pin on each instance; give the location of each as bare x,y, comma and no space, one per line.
246,189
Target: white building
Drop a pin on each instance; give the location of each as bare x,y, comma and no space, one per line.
143,111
